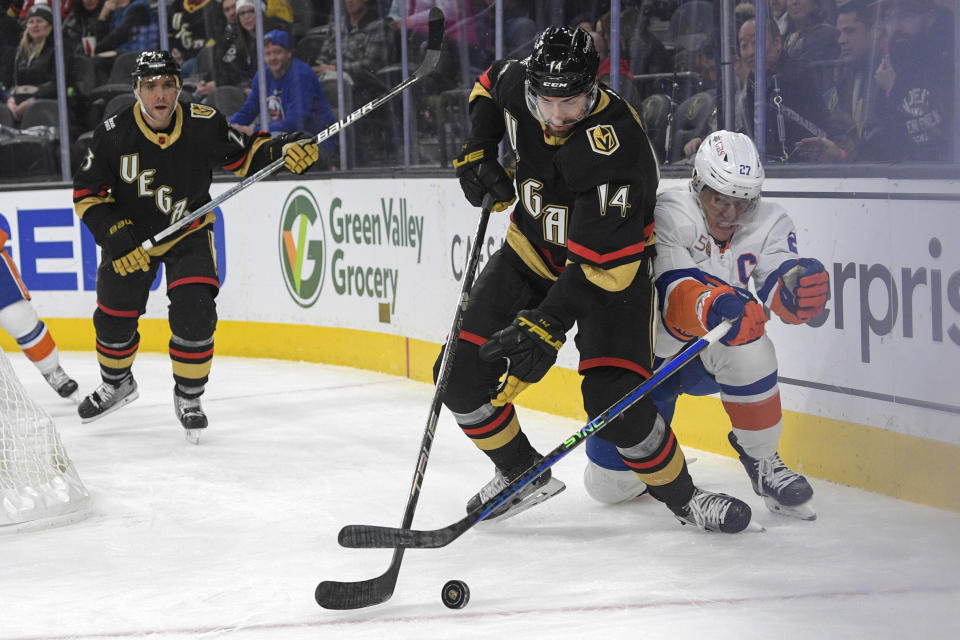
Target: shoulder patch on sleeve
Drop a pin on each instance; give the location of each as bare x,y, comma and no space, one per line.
603,139
201,110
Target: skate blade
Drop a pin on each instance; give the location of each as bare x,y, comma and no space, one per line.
122,403
192,435
801,511
542,494
754,527
74,397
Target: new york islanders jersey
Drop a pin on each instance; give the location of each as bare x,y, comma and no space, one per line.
585,199
763,240
155,178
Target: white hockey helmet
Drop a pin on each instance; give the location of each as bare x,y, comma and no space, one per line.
728,163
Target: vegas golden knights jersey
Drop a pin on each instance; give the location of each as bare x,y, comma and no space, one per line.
155,178
586,199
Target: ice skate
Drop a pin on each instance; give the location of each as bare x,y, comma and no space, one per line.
107,398
716,512
783,491
191,416
64,385
542,488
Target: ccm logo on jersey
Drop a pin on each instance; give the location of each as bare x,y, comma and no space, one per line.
603,139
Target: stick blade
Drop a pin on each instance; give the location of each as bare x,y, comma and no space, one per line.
361,536
331,594
435,36
435,28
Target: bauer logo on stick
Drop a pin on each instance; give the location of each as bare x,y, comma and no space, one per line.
302,247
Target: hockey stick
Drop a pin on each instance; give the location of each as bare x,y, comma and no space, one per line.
360,536
331,594
429,63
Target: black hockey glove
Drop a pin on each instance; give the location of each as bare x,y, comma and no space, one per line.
122,247
480,173
530,345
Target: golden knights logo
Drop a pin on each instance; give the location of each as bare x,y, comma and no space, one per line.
603,139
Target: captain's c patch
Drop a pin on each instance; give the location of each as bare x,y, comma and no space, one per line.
603,139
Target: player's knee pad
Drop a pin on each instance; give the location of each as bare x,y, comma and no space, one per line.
19,319
611,486
470,379
193,312
602,387
114,330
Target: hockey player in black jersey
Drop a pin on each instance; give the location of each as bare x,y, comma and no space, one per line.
579,250
149,166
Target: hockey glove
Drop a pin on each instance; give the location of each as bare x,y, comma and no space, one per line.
480,173
300,155
736,304
121,245
802,292
530,345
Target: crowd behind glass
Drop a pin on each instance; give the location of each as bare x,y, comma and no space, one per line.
843,81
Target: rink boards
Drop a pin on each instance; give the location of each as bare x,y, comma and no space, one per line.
366,272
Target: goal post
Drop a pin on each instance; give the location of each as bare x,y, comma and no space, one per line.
39,487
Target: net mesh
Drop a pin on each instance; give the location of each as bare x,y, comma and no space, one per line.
37,479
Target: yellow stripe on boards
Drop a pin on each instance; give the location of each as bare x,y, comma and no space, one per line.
903,466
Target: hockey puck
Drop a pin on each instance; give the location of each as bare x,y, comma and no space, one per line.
455,594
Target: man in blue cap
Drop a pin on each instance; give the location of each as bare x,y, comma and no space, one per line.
295,99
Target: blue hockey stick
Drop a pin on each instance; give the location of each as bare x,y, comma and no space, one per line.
359,536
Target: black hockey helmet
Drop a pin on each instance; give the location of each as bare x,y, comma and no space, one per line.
151,64
563,63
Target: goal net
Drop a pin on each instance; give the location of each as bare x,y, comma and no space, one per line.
38,484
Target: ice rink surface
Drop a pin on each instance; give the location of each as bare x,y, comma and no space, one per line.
230,538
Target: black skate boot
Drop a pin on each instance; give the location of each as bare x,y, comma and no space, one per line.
542,488
191,416
64,385
714,512
783,491
107,398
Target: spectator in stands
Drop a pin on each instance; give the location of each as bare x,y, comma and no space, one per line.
295,99
187,32
367,47
84,22
809,40
132,26
800,106
778,10
626,90
34,73
9,40
914,119
854,93
644,50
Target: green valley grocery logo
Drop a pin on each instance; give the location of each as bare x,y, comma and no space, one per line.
302,242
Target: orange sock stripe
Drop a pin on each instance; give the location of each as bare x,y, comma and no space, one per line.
754,416
41,349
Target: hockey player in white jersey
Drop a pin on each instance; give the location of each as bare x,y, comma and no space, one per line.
713,238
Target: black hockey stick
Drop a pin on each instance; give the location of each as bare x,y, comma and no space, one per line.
331,594
359,536
431,58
